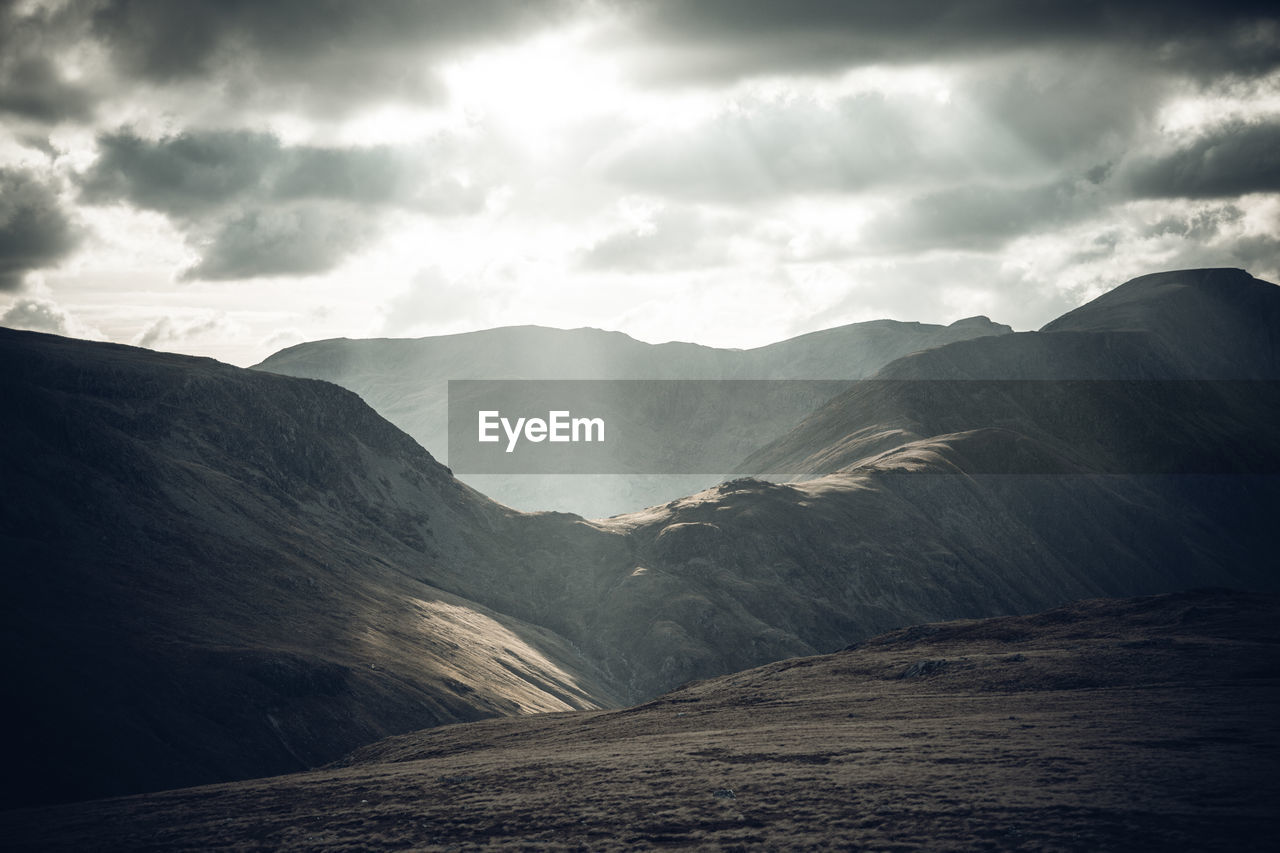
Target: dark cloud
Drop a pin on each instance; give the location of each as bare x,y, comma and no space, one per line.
302,240
195,173
1064,112
735,38
978,217
320,56
35,232
182,176
32,86
255,207
370,175
334,52
1231,160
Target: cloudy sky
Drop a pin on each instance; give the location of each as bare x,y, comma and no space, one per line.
229,177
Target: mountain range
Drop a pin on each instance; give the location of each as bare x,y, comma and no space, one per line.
217,573
406,381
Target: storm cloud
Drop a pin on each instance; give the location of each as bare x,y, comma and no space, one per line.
31,87
193,173
717,39
255,207
32,84
35,231
978,217
622,164
333,54
1231,160
182,176
282,241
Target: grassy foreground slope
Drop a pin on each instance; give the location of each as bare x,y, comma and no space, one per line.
1138,724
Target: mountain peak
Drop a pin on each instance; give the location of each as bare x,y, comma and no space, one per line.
981,321
1219,321
1142,300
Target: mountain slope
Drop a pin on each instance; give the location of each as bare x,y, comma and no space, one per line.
932,499
1225,319
1148,724
406,382
219,573
214,573
1172,364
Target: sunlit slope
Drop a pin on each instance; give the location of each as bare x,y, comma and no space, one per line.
1148,724
213,573
220,573
936,492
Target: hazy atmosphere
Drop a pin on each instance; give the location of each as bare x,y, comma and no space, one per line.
604,425
731,173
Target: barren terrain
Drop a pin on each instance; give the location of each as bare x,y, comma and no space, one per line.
1145,724
216,574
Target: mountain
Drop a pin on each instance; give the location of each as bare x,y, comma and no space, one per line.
1169,364
388,366
213,573
405,380
217,573
1213,323
999,475
1140,724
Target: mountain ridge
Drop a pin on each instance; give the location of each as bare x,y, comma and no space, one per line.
1089,355
406,381
180,529
217,573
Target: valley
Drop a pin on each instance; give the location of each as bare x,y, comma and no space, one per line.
219,574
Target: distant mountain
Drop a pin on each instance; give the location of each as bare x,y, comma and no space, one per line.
964,505
998,475
1208,323
1171,363
405,380
215,573
1142,724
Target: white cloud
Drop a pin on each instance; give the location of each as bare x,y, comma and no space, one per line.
41,313
165,332
37,315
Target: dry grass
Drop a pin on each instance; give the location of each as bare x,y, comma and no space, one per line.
1143,725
